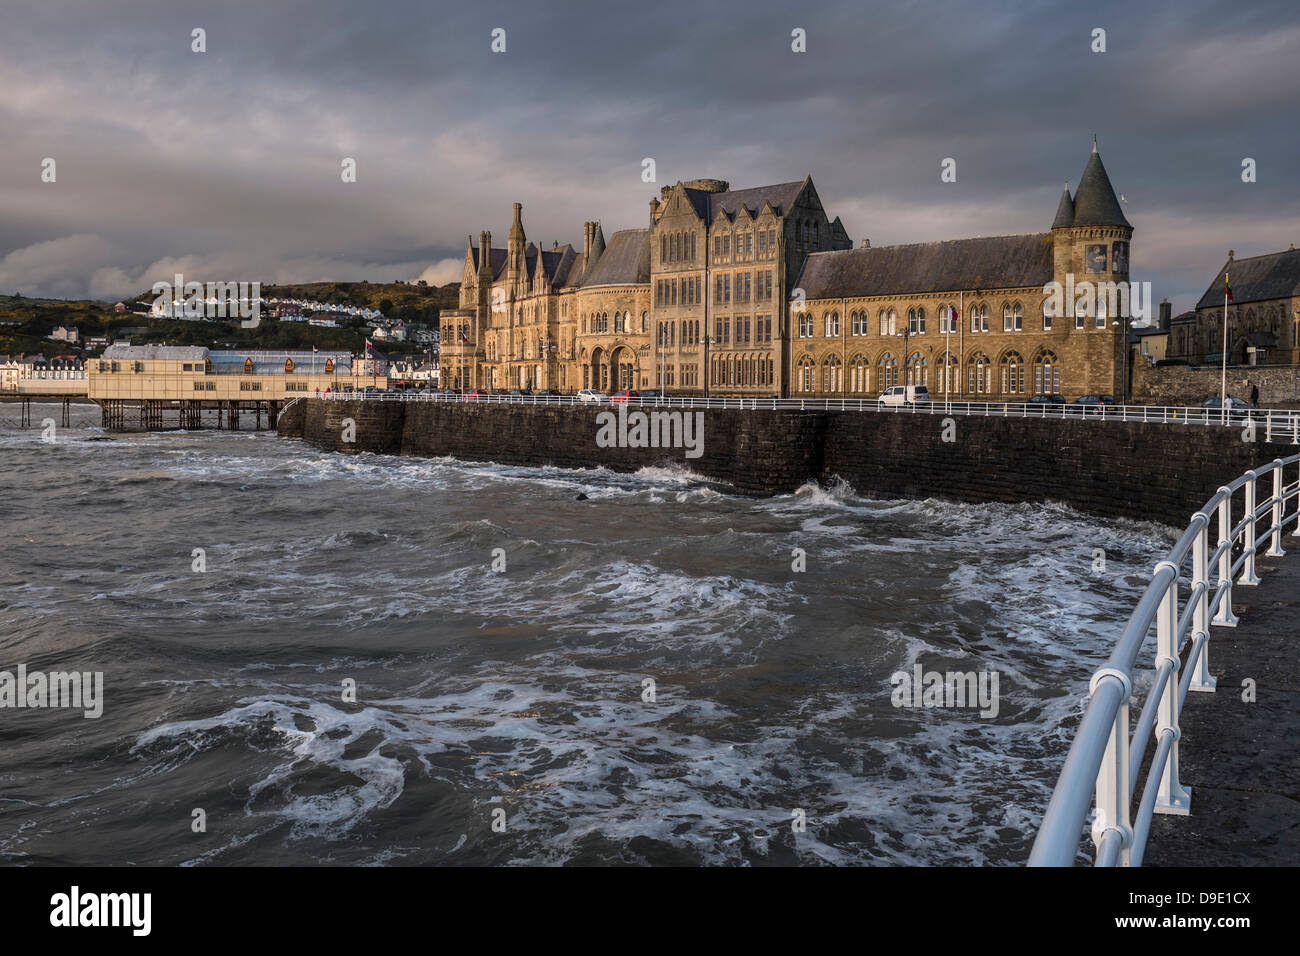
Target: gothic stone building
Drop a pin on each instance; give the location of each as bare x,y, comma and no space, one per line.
1263,318
758,292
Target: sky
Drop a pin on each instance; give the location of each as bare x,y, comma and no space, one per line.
226,165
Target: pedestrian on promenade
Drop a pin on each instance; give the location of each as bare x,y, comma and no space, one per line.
1254,394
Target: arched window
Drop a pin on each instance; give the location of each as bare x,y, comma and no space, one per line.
1013,374
248,366
893,322
832,324
978,374
884,322
886,371
831,374
920,320
1006,316
692,247
645,321
911,321
916,369
858,373
1017,317
948,379
806,372
1047,373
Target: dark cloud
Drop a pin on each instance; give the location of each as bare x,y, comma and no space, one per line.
230,159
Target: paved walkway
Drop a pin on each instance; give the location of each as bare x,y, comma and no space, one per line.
1242,760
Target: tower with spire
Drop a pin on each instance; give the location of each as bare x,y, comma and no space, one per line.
1090,236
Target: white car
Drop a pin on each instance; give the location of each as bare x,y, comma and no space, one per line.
591,395
905,395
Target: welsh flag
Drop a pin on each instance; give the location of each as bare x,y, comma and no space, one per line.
1227,289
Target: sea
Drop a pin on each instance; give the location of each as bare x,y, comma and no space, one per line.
318,659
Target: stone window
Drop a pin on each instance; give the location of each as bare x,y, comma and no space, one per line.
978,374
948,375
1018,317
1013,373
886,371
831,374
806,372
832,325
858,373
1047,373
916,369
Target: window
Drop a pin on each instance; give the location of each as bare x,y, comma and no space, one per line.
978,377
805,374
1013,373
916,368
1006,317
858,373
805,325
1080,313
1017,317
762,243
831,374
886,372
1047,374
979,318
948,377
920,321
832,325
1047,315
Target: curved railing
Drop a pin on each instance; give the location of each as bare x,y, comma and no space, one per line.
1106,755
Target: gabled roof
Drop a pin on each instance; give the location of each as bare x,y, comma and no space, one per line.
781,197
1257,279
1095,203
997,262
625,261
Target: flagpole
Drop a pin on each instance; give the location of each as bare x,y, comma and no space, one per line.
1223,375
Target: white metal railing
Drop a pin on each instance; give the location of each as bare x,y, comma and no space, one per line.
1105,758
1273,424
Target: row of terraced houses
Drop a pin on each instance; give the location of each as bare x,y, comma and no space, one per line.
758,292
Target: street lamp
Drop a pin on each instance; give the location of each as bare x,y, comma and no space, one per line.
905,335
707,339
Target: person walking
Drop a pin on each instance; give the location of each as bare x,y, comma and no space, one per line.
1254,394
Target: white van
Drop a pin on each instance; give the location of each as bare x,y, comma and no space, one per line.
905,395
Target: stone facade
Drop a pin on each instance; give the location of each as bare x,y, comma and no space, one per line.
1263,318
970,318
758,292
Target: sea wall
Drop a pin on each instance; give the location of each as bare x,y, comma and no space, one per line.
1119,469
1279,385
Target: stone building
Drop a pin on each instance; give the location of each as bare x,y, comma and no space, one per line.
970,318
759,292
1263,318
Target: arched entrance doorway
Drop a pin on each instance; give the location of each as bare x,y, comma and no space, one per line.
622,365
598,370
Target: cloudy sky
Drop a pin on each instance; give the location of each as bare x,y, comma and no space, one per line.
226,164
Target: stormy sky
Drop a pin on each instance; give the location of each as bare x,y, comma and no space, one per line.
225,165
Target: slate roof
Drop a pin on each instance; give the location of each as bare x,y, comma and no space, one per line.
997,262
1256,279
1095,203
709,206
1065,211
625,261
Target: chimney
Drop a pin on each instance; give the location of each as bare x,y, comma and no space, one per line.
1166,314
482,249
866,243
654,211
586,243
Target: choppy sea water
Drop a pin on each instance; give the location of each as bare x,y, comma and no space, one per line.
522,691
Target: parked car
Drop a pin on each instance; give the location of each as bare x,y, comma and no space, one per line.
1238,409
624,395
520,392
1046,400
372,390
591,395
549,393
651,393
905,395
1094,400
474,394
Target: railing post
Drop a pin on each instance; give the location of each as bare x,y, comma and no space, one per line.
1275,537
1296,530
1172,797
1202,680
1113,793
1224,616
1248,575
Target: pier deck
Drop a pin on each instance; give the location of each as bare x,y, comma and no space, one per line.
1242,760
